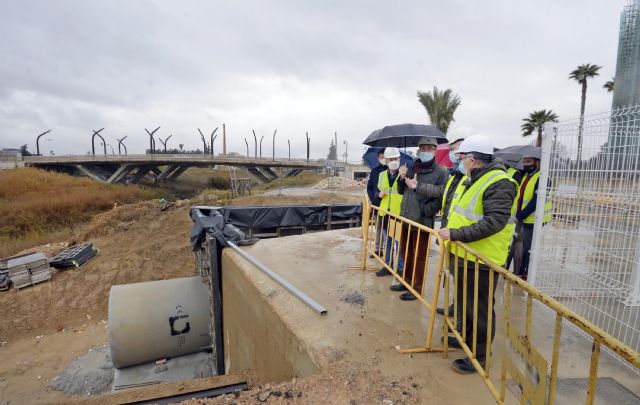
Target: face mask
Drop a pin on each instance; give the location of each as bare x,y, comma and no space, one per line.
382,162
461,168
394,165
425,156
452,157
529,169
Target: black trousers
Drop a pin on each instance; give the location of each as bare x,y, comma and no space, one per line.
484,300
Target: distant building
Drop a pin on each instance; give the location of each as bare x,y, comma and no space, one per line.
626,91
10,152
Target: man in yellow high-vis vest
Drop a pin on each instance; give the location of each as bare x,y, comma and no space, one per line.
479,217
526,209
391,201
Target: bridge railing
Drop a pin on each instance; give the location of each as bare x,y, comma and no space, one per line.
218,159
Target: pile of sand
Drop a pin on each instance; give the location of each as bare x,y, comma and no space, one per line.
337,182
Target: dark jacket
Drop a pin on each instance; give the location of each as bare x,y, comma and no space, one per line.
437,192
497,201
417,207
372,184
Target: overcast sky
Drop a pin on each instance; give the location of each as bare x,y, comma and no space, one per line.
316,66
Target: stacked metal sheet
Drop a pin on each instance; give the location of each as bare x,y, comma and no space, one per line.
74,256
26,270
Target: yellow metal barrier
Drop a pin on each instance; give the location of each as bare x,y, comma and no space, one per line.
538,378
398,228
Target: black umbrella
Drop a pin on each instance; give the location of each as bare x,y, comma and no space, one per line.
512,155
517,248
404,135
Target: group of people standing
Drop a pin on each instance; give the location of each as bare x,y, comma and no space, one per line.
480,201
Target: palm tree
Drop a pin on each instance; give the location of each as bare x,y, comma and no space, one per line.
440,106
609,85
581,74
535,122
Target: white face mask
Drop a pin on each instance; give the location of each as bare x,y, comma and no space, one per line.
394,165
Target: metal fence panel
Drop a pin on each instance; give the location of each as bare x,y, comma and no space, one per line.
588,255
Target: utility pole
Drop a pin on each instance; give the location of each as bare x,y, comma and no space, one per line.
213,138
261,138
255,145
224,139
204,142
346,150
164,143
152,141
38,141
93,147
308,145
247,143
289,143
336,143
274,145
123,145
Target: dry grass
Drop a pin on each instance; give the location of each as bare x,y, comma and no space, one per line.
37,206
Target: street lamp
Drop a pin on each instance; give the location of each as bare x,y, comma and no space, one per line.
38,141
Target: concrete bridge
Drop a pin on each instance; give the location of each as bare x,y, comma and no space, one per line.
162,167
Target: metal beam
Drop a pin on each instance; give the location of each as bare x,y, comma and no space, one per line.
87,171
119,174
178,172
280,280
168,171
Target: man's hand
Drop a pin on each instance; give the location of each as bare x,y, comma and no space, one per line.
382,194
412,183
403,170
444,233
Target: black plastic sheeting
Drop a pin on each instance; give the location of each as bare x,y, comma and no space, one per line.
291,215
211,221
225,221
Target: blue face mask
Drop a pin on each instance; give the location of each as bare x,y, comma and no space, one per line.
461,168
452,157
425,156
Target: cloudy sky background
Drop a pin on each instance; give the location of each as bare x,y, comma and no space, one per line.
321,66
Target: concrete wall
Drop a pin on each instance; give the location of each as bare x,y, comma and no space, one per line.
255,336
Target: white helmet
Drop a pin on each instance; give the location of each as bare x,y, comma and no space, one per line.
477,143
391,153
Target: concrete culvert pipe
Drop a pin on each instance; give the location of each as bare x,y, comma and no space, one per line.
158,319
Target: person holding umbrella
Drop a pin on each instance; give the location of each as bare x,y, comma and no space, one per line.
526,213
444,193
420,209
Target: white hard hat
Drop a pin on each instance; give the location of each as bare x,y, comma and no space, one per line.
391,153
477,143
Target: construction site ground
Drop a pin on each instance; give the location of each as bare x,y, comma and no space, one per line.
44,328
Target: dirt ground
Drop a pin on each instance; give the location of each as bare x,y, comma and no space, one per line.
43,328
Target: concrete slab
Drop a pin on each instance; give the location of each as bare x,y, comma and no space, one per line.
183,368
367,321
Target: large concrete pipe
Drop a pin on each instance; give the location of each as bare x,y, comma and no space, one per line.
158,319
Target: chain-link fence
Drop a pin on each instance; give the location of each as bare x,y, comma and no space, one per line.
588,256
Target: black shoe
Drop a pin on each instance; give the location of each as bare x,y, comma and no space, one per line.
440,311
383,272
398,287
464,366
408,297
452,342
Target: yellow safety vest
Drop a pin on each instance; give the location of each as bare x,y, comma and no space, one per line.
528,196
511,171
459,189
467,209
392,199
